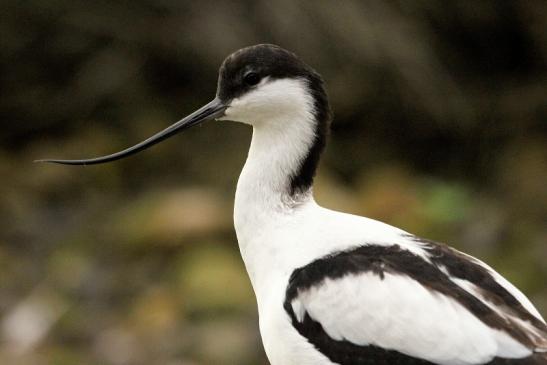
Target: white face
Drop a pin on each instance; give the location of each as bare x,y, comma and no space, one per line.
272,102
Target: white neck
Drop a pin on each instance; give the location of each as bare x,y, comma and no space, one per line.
274,157
282,113
263,197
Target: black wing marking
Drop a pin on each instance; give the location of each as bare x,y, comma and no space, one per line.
394,260
462,266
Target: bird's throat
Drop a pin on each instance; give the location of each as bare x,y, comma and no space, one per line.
264,190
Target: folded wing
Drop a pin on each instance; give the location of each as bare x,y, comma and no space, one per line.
384,304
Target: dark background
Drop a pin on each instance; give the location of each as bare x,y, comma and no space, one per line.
440,111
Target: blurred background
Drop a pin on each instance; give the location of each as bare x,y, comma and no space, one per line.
440,111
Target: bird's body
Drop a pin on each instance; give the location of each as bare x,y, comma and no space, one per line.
347,274
377,285
334,288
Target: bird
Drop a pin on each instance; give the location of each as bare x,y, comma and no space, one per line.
336,288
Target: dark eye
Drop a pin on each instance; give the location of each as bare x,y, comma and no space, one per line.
251,78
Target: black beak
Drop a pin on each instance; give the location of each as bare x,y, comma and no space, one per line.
214,109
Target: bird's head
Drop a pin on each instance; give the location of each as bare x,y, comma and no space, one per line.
267,84
262,85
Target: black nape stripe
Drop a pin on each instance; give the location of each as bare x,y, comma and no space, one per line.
302,180
394,260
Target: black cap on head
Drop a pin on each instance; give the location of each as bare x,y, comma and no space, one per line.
260,61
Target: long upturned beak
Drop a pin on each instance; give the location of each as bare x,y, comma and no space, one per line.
212,110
